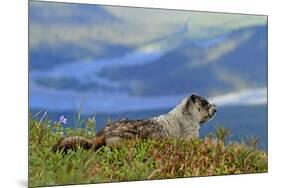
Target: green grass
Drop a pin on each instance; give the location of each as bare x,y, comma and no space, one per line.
136,159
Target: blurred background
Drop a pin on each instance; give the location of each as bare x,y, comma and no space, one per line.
114,62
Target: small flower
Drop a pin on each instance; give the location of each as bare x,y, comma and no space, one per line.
62,120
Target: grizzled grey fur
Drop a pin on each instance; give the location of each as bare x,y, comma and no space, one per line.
184,121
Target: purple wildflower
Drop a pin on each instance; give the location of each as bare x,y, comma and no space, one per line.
62,120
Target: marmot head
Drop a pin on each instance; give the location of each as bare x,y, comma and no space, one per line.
200,108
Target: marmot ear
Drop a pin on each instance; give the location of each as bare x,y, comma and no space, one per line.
192,97
188,103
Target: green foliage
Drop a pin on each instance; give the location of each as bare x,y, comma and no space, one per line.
136,159
77,117
251,141
221,134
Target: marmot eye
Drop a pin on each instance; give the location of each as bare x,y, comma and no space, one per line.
199,109
204,103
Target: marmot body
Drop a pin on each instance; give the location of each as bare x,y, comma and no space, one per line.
184,121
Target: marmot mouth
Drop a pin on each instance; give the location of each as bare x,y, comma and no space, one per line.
212,111
211,116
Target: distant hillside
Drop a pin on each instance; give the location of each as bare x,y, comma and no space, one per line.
57,13
60,33
249,59
48,56
237,62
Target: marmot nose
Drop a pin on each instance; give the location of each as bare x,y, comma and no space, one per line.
214,108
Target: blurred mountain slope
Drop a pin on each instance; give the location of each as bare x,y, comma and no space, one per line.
238,62
67,32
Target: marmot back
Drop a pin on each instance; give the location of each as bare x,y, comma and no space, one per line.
184,121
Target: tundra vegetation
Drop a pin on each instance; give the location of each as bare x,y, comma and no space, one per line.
137,159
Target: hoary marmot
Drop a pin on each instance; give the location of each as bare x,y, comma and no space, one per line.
183,121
